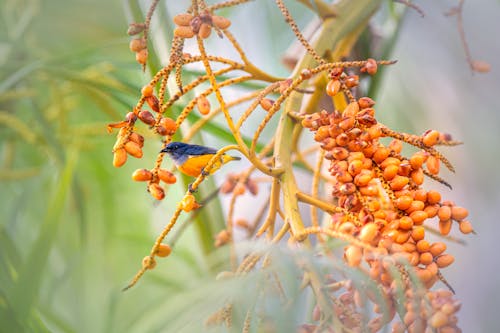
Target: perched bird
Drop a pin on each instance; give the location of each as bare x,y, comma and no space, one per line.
191,159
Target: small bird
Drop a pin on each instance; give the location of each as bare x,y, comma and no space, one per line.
191,159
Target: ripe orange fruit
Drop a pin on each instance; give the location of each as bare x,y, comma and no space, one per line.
142,175
156,191
133,149
183,19
333,87
221,22
119,157
163,250
203,104
166,176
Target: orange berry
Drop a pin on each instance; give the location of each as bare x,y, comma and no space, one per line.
480,66
417,176
444,260
205,31
418,217
146,117
353,255
239,189
351,81
183,19
465,227
347,227
405,223
417,160
142,56
347,123
438,319
355,167
363,179
418,233
166,176
148,262
369,190
390,161
423,246
396,146
366,102
333,87
340,153
351,110
153,103
252,186
399,182
242,223
433,197
266,103
169,125
133,149
222,238
368,232
433,165
425,258
163,250
156,191
437,248
402,237
322,133
415,205
119,157
459,213
221,22
184,32
142,175
137,138
137,44
147,91
444,227
444,213
431,210
430,138
370,67
424,274
390,172
403,202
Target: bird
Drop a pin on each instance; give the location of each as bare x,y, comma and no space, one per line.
192,159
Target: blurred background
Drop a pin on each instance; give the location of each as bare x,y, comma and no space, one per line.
73,229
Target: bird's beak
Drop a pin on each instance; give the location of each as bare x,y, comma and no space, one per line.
164,150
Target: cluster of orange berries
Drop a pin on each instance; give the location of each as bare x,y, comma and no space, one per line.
380,191
189,25
131,143
138,45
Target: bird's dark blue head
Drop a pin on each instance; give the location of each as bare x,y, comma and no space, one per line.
180,151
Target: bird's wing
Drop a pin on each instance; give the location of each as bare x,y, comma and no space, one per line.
199,150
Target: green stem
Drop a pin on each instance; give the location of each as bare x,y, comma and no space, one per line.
350,15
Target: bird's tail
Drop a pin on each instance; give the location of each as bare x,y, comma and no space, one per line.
235,158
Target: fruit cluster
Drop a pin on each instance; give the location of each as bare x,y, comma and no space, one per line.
380,193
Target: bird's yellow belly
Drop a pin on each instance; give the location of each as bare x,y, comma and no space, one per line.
194,165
